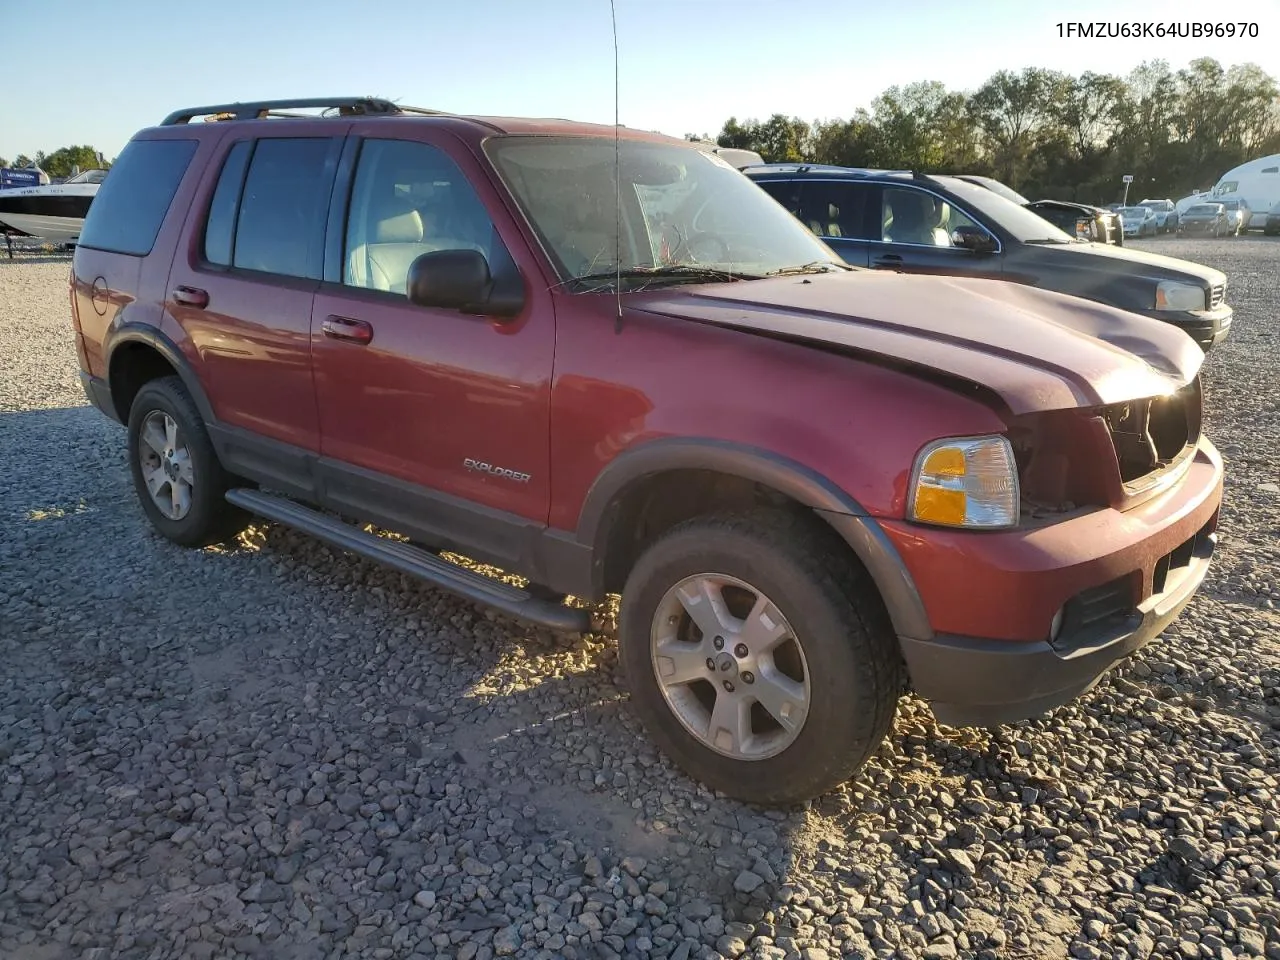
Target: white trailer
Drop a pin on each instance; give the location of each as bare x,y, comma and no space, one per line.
1257,183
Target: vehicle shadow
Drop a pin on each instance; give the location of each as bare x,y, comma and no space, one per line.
446,700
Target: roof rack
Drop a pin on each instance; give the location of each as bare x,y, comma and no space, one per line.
259,109
851,172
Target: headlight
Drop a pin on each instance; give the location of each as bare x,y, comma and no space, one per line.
1171,295
965,482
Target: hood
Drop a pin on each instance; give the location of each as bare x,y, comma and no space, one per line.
1136,263
1036,349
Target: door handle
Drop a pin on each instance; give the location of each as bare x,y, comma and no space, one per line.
191,297
888,260
345,328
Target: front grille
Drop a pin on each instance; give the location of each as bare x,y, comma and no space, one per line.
1217,295
1154,434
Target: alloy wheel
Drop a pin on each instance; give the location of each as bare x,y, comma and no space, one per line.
730,667
166,465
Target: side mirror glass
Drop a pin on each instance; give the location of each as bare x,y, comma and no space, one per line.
973,239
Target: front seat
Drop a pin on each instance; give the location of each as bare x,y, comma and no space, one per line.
910,222
393,240
829,228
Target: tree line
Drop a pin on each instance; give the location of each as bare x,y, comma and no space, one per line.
61,162
1047,134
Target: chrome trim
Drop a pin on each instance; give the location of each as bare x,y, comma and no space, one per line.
1153,484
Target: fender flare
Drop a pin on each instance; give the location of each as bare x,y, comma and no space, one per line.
157,341
795,480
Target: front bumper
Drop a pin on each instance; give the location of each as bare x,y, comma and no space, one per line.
1118,578
1205,327
970,682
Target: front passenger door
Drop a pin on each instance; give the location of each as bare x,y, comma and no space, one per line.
914,228
432,421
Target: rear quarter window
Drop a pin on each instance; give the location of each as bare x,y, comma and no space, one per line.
130,206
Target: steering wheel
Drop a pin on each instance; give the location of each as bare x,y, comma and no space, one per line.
707,248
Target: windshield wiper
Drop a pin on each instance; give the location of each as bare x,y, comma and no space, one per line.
672,273
817,266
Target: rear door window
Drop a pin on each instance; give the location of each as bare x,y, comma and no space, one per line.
786,192
130,206
282,211
219,232
833,208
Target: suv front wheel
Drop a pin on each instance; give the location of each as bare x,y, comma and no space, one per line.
759,656
176,473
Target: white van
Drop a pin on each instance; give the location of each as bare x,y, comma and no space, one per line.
1257,183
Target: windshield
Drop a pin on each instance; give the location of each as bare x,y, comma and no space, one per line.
1154,204
1230,204
995,186
678,208
89,176
1025,225
1203,210
1133,212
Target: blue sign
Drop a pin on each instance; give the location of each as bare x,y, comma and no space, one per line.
19,178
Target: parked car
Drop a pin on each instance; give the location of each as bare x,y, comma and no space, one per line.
934,224
1166,214
1138,221
1271,226
1238,214
1205,218
1078,219
445,327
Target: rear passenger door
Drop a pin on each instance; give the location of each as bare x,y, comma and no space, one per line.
243,295
835,210
412,400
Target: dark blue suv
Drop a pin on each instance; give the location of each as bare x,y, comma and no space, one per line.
913,223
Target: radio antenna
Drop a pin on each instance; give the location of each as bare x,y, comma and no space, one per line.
617,173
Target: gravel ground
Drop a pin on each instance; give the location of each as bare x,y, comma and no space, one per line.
278,751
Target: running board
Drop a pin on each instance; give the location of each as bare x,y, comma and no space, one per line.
414,561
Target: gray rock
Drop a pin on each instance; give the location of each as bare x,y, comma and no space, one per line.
506,941
746,882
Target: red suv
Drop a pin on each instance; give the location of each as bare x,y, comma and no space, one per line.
606,361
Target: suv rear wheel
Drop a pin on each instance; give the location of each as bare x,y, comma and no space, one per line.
176,472
758,656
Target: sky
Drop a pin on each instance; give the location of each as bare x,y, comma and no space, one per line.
100,70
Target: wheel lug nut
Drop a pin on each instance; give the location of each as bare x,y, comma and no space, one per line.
748,676
718,642
711,665
728,685
740,650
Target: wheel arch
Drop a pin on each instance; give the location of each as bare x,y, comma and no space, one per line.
137,353
737,473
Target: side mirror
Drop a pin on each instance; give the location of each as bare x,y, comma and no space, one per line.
450,279
460,280
973,239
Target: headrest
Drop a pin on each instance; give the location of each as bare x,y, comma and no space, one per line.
399,228
833,211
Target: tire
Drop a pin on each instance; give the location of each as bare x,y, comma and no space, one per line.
207,517
826,603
